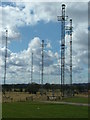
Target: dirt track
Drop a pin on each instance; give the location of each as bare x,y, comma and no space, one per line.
67,103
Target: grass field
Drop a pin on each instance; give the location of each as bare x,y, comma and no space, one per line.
77,99
42,110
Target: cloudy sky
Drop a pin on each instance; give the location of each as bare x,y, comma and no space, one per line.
29,23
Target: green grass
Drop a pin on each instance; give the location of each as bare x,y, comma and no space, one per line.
43,110
76,100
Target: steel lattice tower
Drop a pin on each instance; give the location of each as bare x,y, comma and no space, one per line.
32,69
62,18
5,58
42,60
42,53
71,54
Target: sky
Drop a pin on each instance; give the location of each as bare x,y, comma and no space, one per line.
29,23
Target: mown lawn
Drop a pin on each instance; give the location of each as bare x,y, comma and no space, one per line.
42,110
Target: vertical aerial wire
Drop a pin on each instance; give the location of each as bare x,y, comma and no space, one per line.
32,69
71,54
5,58
62,19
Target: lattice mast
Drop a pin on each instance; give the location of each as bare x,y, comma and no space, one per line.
42,61
62,18
5,67
71,52
32,68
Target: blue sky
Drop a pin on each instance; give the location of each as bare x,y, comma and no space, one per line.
30,23
40,30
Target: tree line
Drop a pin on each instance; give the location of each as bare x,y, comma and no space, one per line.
34,87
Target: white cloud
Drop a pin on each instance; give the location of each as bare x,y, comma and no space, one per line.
48,45
19,63
35,43
30,14
56,55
